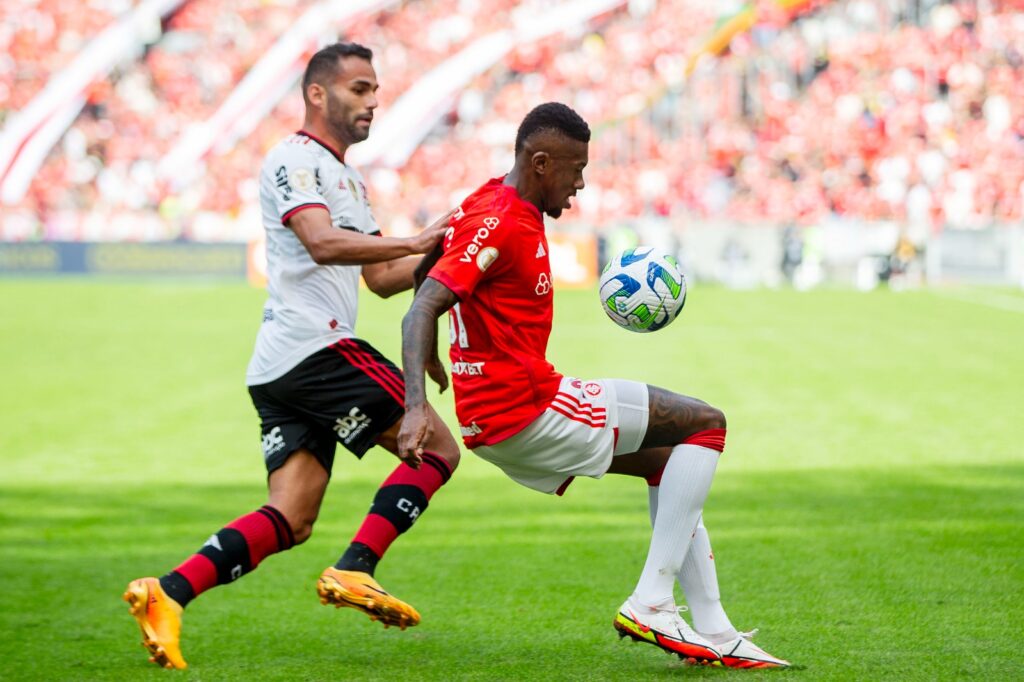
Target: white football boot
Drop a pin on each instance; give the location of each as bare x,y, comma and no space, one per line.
666,629
742,653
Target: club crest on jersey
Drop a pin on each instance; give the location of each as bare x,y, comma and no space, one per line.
301,179
482,233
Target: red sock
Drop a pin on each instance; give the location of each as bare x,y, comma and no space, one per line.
402,497
230,553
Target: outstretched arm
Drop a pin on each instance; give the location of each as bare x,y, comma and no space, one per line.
419,345
391,277
328,245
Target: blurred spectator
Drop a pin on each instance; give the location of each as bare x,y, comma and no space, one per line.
863,109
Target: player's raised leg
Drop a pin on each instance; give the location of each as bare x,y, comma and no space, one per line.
295,492
681,445
400,501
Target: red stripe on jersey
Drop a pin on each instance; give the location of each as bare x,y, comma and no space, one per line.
582,419
583,413
575,402
713,439
386,372
585,408
303,207
323,144
371,370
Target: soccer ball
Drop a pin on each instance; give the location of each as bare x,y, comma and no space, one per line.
642,289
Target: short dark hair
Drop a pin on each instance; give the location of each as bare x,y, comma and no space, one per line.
324,63
552,116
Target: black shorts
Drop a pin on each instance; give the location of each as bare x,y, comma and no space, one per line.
347,393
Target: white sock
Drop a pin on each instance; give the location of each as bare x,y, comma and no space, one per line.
684,487
699,581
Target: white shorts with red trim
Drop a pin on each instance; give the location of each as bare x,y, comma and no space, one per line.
587,424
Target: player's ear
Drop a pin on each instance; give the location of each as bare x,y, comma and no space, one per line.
540,162
315,94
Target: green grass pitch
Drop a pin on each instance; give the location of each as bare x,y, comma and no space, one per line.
868,513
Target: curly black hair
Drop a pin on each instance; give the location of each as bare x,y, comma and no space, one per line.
552,116
324,64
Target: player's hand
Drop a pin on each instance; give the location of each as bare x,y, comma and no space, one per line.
435,370
416,430
425,240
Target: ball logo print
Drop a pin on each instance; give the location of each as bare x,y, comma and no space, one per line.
642,289
543,284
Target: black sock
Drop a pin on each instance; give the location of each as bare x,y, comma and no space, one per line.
177,588
358,557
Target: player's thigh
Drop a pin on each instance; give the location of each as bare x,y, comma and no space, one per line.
348,391
673,418
642,463
441,441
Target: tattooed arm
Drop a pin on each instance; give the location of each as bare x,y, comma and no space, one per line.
419,342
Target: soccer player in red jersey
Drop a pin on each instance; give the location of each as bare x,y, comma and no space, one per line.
313,383
542,428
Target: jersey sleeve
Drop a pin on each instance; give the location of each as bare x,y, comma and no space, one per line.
294,180
475,248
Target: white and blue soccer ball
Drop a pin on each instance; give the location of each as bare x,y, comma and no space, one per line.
642,289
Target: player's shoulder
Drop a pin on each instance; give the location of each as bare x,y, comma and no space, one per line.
297,150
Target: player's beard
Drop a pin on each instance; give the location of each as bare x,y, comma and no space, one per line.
341,122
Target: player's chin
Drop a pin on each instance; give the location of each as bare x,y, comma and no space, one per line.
360,133
554,212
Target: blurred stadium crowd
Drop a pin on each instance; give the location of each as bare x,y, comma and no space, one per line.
779,112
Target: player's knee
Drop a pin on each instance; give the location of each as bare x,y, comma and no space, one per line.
302,527
452,457
710,417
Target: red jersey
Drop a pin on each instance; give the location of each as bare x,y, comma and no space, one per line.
496,261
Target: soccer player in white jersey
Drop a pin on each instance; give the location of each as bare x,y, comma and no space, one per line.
313,383
542,428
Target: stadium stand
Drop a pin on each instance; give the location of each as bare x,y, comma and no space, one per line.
850,109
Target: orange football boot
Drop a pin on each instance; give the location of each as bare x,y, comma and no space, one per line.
159,618
360,591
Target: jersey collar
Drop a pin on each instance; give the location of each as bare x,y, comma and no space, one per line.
323,144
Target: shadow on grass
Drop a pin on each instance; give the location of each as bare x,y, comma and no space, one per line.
851,574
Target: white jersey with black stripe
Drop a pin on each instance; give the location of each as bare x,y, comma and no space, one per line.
309,306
